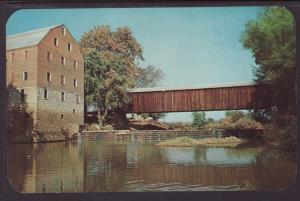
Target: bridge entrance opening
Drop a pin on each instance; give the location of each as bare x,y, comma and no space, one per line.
189,120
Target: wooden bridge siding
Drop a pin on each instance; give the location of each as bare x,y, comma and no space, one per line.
192,99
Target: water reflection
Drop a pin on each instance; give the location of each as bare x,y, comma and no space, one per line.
210,155
91,166
54,166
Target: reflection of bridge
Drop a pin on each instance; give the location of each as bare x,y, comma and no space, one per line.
205,176
208,98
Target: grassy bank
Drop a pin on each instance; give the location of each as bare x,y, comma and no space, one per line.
188,142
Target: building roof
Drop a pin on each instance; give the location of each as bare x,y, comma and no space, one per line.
27,39
192,87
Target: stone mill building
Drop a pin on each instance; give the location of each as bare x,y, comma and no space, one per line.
45,84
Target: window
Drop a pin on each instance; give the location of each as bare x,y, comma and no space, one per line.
11,77
63,80
48,77
63,61
69,47
25,76
25,55
22,94
77,99
12,57
75,83
75,64
49,56
63,31
61,116
55,41
62,96
45,94
74,111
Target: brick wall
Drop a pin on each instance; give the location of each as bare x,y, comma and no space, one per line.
50,110
21,116
19,65
55,67
46,113
14,74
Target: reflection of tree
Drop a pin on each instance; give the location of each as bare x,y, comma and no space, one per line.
151,167
19,165
243,152
109,159
65,159
147,154
200,154
52,167
20,120
103,166
274,169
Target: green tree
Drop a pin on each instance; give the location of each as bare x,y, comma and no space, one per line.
231,117
105,84
237,120
272,40
120,42
110,61
199,120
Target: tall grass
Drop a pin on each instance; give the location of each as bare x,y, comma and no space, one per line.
188,142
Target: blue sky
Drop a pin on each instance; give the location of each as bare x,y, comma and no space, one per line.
192,46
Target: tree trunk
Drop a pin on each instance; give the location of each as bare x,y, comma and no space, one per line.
100,122
101,118
85,113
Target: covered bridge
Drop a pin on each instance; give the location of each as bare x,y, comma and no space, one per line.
202,98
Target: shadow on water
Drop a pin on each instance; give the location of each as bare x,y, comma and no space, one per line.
275,169
93,166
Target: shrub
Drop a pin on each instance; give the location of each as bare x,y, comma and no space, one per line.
282,131
199,120
247,123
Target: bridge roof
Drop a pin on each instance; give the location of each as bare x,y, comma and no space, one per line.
192,87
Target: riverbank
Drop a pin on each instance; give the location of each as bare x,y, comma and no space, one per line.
189,142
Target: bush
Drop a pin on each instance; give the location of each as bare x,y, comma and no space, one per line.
282,131
199,120
247,123
234,116
235,120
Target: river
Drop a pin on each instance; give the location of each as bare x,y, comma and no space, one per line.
112,166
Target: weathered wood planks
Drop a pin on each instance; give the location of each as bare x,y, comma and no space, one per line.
204,99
